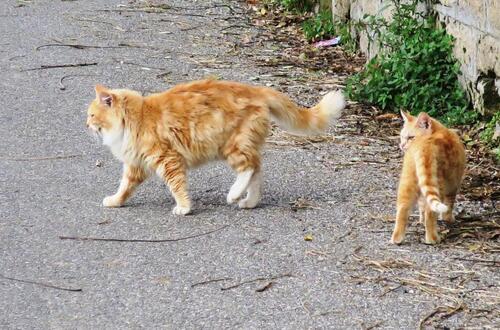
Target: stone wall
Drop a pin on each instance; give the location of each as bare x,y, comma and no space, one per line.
475,24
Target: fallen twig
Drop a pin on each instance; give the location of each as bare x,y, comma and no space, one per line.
61,84
189,28
384,265
390,290
265,287
495,263
39,284
27,159
445,310
46,67
76,46
104,239
137,64
256,280
211,281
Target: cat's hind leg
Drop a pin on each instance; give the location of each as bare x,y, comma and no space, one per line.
240,185
242,152
253,192
131,178
247,166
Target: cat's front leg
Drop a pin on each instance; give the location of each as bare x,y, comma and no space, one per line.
173,171
131,178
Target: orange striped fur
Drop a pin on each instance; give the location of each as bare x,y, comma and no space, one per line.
433,168
192,123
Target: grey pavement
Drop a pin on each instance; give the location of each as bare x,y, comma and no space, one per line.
51,187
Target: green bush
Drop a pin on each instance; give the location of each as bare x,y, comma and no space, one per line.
415,70
322,27
490,138
300,6
319,27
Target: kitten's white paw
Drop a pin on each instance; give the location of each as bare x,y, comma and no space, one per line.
432,239
449,218
180,210
397,238
248,204
111,201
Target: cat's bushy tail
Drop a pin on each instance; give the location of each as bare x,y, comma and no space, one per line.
302,120
426,167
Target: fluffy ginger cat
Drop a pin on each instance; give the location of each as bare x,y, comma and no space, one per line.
433,168
193,123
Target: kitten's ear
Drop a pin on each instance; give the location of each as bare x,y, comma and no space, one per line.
104,96
424,120
406,116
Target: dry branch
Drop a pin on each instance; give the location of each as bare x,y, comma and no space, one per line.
256,280
139,240
46,285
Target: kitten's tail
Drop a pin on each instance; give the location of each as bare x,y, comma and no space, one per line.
301,120
426,167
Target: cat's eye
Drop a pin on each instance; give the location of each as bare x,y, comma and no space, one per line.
410,137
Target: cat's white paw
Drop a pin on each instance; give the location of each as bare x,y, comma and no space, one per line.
248,203
232,197
181,210
111,201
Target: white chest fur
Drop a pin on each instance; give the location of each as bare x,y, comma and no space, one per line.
117,141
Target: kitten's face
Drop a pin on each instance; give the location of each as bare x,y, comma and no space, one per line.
103,115
414,127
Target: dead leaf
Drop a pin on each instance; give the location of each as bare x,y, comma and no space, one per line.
387,116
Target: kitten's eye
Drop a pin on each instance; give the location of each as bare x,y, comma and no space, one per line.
410,137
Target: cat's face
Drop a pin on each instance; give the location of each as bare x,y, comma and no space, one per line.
414,127
104,115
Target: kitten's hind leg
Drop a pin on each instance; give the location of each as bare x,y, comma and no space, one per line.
449,200
407,194
131,178
253,192
431,234
421,210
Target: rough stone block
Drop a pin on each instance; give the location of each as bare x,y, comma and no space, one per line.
493,15
340,9
489,54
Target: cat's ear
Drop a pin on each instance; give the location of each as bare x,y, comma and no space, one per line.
104,96
424,121
407,117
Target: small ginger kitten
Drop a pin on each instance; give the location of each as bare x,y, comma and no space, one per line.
433,168
193,123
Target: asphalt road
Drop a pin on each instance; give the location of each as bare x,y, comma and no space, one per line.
256,270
